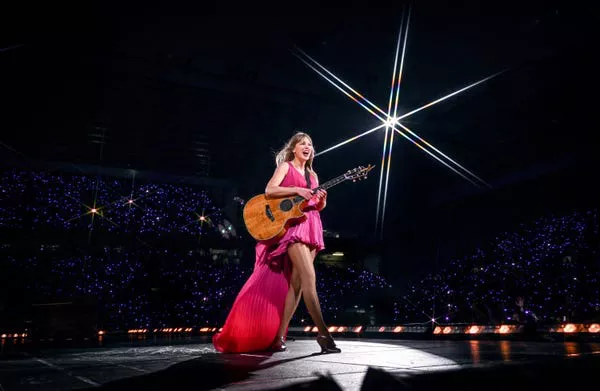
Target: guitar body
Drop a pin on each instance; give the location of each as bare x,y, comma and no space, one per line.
268,218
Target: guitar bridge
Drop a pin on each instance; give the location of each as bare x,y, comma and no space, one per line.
269,213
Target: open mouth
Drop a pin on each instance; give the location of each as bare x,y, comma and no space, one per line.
306,154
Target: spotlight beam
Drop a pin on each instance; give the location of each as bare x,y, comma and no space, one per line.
401,63
341,89
450,95
387,177
389,162
434,156
381,172
387,128
442,154
351,139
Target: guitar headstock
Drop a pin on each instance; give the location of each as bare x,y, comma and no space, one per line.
358,173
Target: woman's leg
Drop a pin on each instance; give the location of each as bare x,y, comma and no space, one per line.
291,302
302,261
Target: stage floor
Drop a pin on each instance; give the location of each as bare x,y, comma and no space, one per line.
363,364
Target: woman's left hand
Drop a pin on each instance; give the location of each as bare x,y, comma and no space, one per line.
321,195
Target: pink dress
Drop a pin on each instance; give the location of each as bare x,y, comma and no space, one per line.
256,313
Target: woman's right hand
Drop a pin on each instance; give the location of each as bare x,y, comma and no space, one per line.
304,193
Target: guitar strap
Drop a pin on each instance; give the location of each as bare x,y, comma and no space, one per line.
307,177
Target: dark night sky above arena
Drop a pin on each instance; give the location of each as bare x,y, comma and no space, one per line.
214,91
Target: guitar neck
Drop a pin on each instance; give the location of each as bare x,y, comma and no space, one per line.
327,185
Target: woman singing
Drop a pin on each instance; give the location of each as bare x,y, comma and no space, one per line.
284,270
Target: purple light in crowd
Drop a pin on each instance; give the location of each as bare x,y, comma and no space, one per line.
543,259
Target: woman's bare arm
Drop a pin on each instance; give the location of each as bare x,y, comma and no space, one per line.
273,189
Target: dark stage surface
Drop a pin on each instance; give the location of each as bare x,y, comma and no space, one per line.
363,365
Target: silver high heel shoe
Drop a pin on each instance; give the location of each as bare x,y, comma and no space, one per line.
278,345
327,344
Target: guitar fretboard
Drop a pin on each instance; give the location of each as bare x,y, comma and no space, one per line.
332,182
327,185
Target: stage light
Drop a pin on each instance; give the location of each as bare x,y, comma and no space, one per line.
391,122
398,329
569,328
341,329
381,329
447,330
504,329
332,329
101,332
307,329
594,328
437,330
315,329
358,329
474,329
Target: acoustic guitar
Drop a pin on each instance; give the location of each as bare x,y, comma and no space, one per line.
268,218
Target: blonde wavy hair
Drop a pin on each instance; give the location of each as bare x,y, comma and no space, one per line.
286,154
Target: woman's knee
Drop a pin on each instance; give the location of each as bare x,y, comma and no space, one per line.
308,278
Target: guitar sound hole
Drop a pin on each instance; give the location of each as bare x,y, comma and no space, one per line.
286,205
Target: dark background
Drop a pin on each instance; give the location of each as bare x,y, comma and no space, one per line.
213,91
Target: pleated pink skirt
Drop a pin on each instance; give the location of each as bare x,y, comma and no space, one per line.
257,311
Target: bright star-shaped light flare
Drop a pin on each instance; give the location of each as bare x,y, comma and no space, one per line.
93,211
391,121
